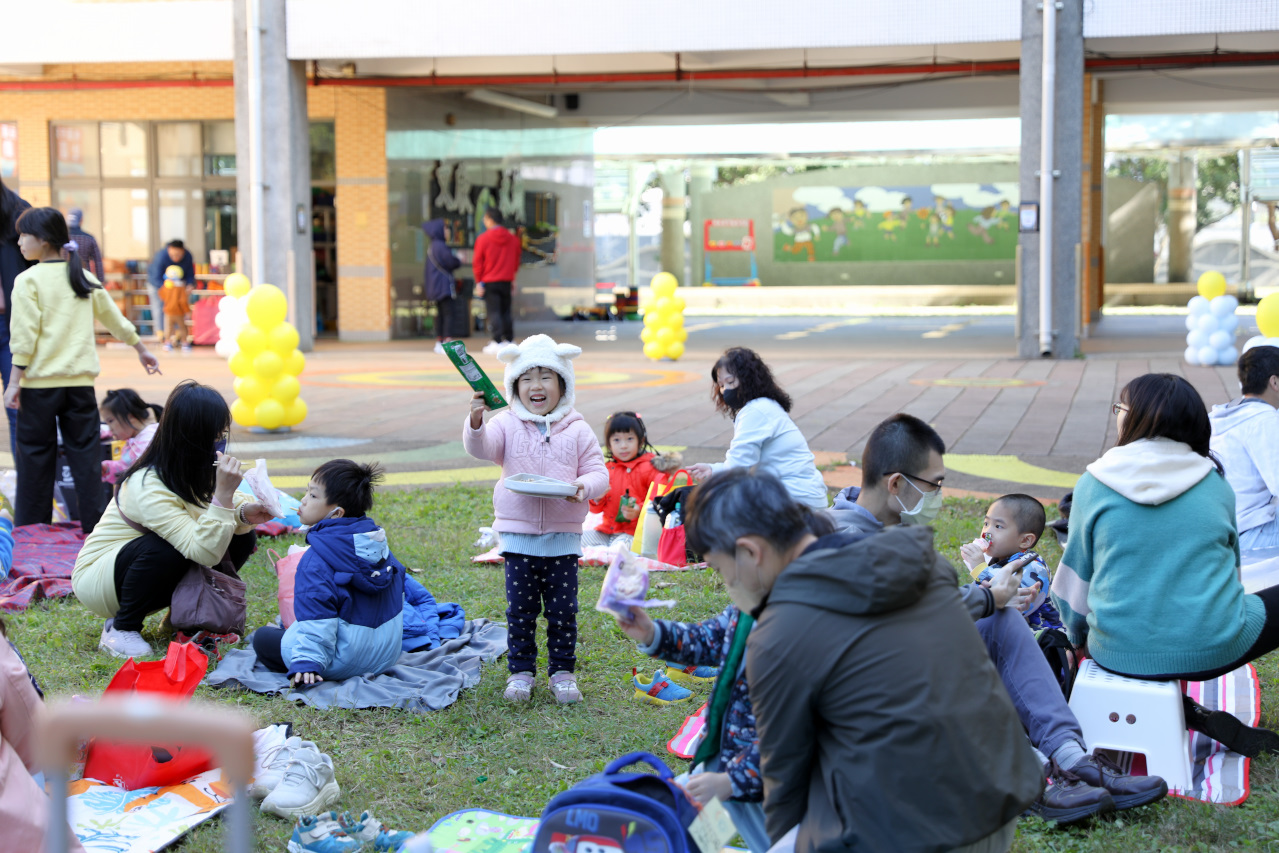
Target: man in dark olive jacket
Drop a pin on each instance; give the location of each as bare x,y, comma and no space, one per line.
883,725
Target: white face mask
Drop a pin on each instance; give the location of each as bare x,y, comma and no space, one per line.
926,510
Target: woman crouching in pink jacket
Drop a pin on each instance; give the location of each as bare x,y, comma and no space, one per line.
541,538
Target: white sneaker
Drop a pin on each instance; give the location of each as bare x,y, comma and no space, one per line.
439,348
306,788
492,347
123,644
276,760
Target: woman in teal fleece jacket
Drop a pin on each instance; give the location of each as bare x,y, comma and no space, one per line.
1149,583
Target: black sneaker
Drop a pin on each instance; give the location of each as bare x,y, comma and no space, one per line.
1230,731
1127,791
1069,799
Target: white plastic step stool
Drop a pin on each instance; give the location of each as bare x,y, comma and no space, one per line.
1135,715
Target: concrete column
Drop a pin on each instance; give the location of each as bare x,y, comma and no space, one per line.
286,168
674,206
1182,177
1094,209
701,178
1067,157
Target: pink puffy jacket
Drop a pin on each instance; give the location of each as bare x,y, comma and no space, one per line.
569,452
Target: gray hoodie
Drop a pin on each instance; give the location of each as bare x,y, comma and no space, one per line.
1245,437
883,725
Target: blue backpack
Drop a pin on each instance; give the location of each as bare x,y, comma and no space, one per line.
615,812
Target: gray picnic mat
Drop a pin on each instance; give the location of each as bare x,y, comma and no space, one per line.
419,681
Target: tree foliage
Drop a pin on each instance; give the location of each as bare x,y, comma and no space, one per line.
1216,183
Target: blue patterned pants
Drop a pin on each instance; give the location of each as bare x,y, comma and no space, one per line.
534,585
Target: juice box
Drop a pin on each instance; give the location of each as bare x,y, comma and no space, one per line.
473,373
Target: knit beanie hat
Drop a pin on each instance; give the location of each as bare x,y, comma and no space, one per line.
539,351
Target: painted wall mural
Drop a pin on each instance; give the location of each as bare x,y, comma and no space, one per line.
938,222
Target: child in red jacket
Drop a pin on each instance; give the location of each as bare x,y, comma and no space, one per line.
632,466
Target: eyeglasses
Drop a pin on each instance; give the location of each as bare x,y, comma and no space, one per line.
936,485
1118,407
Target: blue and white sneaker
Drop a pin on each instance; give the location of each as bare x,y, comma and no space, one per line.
321,834
370,832
660,691
690,675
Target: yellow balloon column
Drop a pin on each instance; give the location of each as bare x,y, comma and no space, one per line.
267,365
663,333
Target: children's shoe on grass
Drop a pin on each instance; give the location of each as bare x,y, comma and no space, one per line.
370,832
321,834
123,644
519,687
564,688
277,761
307,786
690,675
660,690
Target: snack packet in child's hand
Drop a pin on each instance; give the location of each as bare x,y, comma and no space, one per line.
260,483
625,585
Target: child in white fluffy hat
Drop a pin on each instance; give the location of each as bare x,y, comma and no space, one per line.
541,433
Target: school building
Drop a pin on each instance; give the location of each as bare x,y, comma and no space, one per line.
309,139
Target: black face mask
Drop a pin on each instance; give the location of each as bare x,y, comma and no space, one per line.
732,398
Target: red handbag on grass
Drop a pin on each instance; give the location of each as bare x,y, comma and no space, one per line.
132,767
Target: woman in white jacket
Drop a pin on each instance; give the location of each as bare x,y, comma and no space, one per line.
764,436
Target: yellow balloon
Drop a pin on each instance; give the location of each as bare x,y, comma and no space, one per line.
674,321
1268,316
647,335
252,341
678,305
674,350
251,390
1212,284
286,389
295,363
267,306
236,285
664,284
283,339
653,350
681,335
652,319
296,413
665,336
242,413
664,305
270,414
240,364
267,366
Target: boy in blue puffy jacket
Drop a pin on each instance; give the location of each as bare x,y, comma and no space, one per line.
349,589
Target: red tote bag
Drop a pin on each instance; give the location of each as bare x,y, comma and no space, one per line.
132,767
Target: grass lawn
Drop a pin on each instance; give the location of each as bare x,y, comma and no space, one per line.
482,752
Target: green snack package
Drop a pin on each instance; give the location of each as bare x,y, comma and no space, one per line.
473,373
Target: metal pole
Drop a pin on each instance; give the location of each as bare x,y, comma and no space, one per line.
1245,241
257,241
1046,109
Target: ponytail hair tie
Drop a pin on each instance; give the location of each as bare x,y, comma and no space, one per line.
71,247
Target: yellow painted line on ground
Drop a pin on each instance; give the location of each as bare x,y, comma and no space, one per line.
702,327
944,330
1010,469
821,327
485,474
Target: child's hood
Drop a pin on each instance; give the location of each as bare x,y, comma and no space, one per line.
1151,471
357,552
539,351
434,228
1236,413
668,463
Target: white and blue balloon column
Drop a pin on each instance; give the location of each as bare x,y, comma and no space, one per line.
1211,323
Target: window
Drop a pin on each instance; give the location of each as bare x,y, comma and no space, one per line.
89,201
8,150
124,149
178,153
126,223
219,148
75,150
323,153
182,218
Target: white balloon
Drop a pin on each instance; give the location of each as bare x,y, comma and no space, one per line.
1228,323
1191,355
1192,322
1198,305
1227,355
1207,355
1255,341
1207,323
1197,339
1223,305
1219,340
225,348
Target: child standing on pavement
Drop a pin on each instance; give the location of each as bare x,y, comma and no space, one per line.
541,433
632,467
176,297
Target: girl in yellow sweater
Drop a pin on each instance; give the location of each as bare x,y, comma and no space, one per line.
55,362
